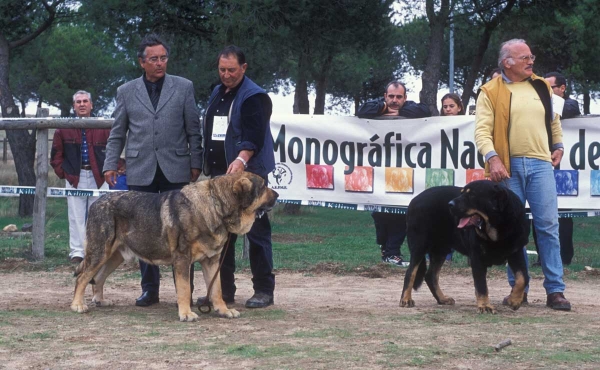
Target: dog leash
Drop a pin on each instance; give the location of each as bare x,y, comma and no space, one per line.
205,307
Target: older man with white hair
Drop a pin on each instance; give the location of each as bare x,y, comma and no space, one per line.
78,156
521,139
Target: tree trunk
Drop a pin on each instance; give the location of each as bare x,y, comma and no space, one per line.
301,105
431,73
23,106
476,65
586,102
22,143
484,42
357,101
65,112
321,85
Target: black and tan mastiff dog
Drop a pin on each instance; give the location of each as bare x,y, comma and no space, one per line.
484,221
173,228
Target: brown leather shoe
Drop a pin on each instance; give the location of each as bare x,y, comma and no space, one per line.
76,260
505,300
557,301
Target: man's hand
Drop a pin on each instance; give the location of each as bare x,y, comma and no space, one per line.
110,177
235,166
498,172
556,157
195,174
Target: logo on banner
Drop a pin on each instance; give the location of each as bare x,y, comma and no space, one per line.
57,192
281,176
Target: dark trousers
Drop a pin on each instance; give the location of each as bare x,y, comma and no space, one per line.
261,257
390,231
565,236
151,273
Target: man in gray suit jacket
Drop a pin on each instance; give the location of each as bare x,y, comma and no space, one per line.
157,122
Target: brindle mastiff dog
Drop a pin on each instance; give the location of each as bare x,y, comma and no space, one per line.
173,228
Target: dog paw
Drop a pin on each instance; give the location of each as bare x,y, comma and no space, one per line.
486,309
514,304
447,301
102,303
407,303
79,308
188,316
229,313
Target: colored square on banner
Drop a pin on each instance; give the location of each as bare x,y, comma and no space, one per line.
399,180
319,176
438,177
360,180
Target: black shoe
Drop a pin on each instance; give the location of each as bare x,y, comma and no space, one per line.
227,298
147,299
259,300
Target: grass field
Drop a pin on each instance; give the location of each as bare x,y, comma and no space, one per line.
336,307
341,239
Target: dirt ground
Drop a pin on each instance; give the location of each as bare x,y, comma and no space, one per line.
320,320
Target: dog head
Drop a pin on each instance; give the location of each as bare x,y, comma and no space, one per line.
480,205
250,198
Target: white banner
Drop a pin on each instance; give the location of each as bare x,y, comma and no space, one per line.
15,191
367,164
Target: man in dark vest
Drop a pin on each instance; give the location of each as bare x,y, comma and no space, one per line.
237,137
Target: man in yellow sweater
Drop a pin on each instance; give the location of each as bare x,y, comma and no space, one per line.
521,139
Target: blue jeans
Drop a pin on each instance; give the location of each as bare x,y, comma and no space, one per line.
533,180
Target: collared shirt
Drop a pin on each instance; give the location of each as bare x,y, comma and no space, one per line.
85,155
158,84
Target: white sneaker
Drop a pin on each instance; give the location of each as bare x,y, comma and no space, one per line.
396,261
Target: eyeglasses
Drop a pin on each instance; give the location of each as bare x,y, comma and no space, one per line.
525,58
155,60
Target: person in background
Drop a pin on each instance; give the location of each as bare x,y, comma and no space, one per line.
393,103
390,228
452,105
121,183
521,139
495,73
158,124
77,155
558,83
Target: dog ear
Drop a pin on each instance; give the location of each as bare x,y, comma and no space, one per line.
243,190
501,195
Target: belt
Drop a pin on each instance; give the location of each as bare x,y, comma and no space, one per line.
86,167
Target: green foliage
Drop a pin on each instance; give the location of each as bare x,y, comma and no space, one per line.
19,18
76,57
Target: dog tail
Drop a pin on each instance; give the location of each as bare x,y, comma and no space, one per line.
421,270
